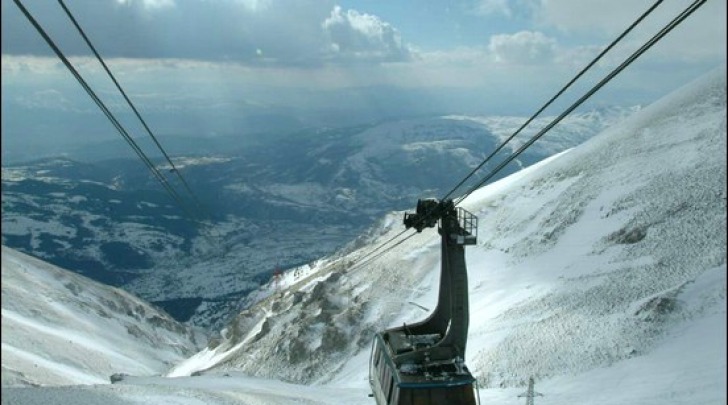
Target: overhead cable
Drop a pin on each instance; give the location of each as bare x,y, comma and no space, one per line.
104,109
372,258
642,49
676,21
537,113
131,105
557,95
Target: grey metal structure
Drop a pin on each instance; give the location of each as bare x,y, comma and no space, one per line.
530,393
423,362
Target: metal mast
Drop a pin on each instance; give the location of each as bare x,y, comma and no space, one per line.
530,393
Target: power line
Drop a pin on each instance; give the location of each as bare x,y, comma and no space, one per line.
371,259
378,247
557,95
129,102
536,114
174,169
428,212
642,49
667,28
103,108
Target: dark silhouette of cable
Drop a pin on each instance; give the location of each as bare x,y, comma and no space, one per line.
104,109
557,95
667,28
131,105
363,260
198,204
540,110
642,49
371,259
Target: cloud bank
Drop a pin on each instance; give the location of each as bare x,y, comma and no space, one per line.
280,33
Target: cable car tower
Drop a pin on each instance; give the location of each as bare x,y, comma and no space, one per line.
424,362
530,393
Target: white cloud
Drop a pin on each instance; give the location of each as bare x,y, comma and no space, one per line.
588,15
525,47
255,5
582,26
363,36
701,36
27,65
149,4
278,33
46,99
493,7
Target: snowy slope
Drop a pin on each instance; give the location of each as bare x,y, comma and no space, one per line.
281,201
62,328
608,241
602,257
600,271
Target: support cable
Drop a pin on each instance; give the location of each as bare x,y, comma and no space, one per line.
104,109
642,49
131,105
557,95
540,110
381,245
666,29
200,207
371,259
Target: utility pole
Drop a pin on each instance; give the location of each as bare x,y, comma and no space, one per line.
530,393
277,279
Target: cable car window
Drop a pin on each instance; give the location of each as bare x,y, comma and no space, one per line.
462,395
390,390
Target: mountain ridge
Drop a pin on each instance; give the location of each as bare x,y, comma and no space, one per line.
596,245
112,222
600,272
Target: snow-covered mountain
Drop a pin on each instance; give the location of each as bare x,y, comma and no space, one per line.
600,271
60,328
275,203
608,256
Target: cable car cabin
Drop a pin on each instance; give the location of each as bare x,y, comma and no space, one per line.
418,384
423,363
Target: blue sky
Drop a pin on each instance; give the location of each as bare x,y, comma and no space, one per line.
208,67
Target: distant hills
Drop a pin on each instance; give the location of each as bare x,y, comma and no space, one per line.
273,202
